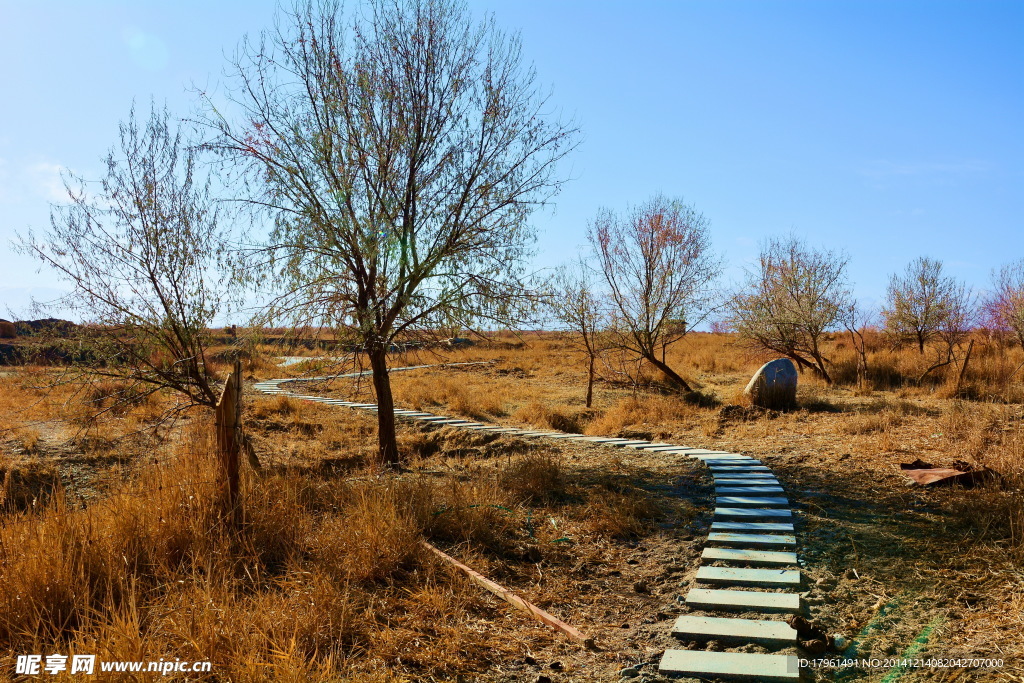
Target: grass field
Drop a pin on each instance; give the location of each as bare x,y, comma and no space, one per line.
110,542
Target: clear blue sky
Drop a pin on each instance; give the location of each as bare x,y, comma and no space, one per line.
886,129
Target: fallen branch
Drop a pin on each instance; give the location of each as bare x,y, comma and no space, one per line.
513,599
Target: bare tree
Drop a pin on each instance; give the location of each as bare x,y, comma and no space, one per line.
791,300
399,161
574,301
146,259
1004,306
857,320
660,271
917,303
959,316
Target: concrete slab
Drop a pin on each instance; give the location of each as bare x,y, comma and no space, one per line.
627,442
755,540
760,631
748,577
645,446
753,513
753,601
741,475
752,501
660,449
742,461
565,436
738,468
748,666
745,481
757,557
751,526
751,490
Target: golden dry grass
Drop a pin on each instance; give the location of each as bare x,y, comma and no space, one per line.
327,579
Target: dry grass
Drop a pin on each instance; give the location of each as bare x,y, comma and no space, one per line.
326,579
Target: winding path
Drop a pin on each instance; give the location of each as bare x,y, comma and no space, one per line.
751,545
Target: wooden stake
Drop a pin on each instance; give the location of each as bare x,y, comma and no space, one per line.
229,442
513,599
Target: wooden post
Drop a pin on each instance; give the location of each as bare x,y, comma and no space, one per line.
963,368
229,443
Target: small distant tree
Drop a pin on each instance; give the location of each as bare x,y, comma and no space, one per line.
659,268
1004,306
575,302
857,319
917,302
958,319
146,259
790,301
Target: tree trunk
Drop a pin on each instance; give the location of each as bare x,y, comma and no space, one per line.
819,368
963,368
387,440
920,343
670,373
590,384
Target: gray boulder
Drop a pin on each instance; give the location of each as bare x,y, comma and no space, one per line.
774,385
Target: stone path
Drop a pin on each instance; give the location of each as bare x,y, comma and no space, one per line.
750,545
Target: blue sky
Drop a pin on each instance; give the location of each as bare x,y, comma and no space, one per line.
889,130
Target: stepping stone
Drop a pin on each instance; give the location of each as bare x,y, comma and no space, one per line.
753,601
647,444
743,468
659,449
732,462
752,490
630,444
751,526
597,439
752,501
752,513
745,481
748,577
742,475
737,665
760,631
763,557
565,436
744,540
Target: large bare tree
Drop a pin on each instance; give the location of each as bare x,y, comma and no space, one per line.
793,297
399,150
660,271
145,255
